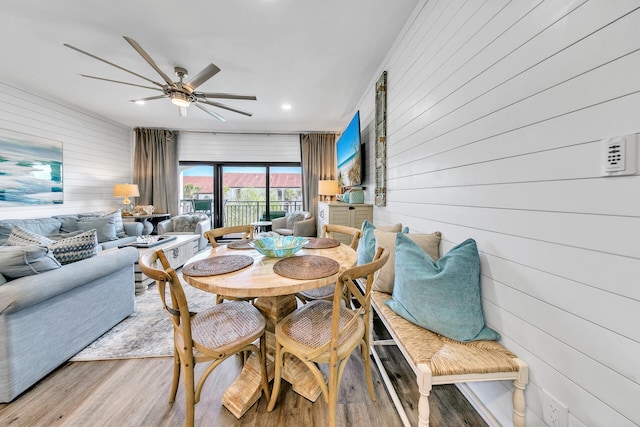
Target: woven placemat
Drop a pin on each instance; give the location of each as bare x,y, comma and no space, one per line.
306,267
321,243
240,244
217,265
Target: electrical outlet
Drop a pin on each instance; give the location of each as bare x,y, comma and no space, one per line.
619,155
554,413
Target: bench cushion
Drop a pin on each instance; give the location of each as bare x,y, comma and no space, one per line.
444,356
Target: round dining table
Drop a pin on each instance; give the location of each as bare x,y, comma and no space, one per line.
275,298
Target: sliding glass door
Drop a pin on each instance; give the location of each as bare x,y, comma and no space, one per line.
239,194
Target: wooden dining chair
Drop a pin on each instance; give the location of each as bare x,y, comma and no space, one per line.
326,292
212,335
214,233
328,332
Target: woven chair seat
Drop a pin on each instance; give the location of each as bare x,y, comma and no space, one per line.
324,292
219,329
309,327
445,356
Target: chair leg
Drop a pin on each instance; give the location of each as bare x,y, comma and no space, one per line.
366,359
334,389
278,361
263,363
176,376
189,393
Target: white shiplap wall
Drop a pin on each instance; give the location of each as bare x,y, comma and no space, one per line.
240,147
96,153
495,113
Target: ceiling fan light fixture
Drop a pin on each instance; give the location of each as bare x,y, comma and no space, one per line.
180,99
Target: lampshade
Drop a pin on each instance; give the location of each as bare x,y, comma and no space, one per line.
126,191
327,188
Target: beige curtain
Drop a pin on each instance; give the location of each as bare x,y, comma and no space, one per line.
318,158
155,169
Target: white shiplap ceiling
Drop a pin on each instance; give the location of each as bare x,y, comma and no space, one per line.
318,56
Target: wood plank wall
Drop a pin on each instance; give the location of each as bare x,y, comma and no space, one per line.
495,113
228,147
96,153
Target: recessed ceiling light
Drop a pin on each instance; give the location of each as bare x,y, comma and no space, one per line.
286,106
140,102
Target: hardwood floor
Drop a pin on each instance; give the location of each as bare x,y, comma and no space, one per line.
135,392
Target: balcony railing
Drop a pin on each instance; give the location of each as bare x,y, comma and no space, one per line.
237,212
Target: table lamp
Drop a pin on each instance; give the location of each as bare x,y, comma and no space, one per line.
126,191
328,188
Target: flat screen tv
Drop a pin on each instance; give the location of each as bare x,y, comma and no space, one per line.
349,154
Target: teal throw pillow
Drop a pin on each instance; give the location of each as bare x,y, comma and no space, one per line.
367,243
442,296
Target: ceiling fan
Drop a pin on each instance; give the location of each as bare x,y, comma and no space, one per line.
182,94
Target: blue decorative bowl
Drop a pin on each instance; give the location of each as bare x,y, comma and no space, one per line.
279,247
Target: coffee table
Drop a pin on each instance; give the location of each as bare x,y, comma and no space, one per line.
177,250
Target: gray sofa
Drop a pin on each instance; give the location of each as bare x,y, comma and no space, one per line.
187,224
46,318
50,312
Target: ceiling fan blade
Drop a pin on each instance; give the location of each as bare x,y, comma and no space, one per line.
226,107
216,115
117,81
182,111
225,96
204,75
151,62
112,64
151,98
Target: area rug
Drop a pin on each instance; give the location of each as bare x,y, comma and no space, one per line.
148,332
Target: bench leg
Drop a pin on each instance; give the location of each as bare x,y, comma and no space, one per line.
519,404
424,387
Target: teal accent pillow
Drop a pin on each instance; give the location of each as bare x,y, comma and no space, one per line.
442,296
367,243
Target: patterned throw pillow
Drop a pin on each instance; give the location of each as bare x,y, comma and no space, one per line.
294,217
22,237
75,248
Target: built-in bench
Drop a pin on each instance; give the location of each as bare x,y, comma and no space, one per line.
438,360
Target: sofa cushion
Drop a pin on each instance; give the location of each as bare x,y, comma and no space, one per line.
186,223
367,243
41,226
442,296
105,227
76,248
20,261
430,243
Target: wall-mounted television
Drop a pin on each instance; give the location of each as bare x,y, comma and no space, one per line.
349,154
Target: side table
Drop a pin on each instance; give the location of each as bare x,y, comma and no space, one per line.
177,250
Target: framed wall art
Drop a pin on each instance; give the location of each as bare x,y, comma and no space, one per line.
381,141
30,170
